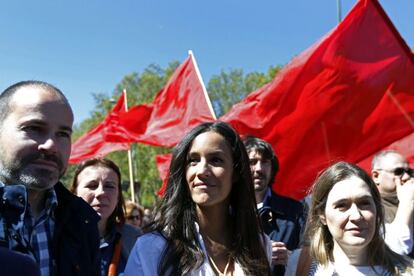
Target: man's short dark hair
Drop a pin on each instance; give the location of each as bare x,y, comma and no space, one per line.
262,147
8,93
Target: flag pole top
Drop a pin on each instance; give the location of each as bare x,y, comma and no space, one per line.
213,114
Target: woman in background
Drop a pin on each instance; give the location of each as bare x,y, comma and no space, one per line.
345,226
134,214
98,182
206,223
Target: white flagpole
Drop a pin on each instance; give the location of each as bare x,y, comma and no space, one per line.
131,173
202,85
339,10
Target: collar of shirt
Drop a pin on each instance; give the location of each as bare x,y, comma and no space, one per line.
109,238
51,203
267,196
49,210
205,268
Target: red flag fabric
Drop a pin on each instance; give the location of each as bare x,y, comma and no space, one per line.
346,97
163,165
106,137
404,146
177,108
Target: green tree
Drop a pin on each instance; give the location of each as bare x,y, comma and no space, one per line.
228,88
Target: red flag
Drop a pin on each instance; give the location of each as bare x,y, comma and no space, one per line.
163,165
346,97
177,108
106,137
404,146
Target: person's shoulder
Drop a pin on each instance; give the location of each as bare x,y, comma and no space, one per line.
146,255
150,245
129,234
129,230
70,203
15,263
280,202
154,239
153,242
276,196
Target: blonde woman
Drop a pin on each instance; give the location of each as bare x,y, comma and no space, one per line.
345,226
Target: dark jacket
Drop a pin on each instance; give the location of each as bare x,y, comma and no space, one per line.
17,264
125,233
76,237
283,219
75,245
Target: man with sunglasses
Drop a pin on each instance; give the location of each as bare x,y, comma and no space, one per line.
395,182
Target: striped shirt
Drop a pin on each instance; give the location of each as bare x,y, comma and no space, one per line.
38,234
20,231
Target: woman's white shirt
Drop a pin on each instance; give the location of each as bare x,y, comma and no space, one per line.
398,237
346,269
149,248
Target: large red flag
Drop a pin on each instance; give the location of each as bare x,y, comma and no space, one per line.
106,137
177,108
346,97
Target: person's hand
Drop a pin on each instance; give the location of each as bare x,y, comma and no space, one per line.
279,253
405,190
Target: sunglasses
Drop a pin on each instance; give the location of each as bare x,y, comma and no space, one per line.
400,171
133,217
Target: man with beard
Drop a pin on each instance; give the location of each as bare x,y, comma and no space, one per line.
283,219
38,216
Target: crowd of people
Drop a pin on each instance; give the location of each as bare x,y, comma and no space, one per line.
219,214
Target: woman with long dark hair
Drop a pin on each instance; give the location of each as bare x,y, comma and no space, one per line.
346,226
206,223
98,182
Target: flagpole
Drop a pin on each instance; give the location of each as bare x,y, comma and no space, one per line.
131,172
400,108
339,10
202,85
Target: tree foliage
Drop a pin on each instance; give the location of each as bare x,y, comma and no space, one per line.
225,90
228,88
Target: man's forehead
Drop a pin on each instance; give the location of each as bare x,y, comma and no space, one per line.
254,154
34,93
393,160
40,103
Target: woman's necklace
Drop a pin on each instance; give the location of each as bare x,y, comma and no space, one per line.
217,269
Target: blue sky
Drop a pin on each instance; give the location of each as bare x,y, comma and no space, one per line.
86,47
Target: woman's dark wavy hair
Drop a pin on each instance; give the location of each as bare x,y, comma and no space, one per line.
118,215
175,214
321,240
